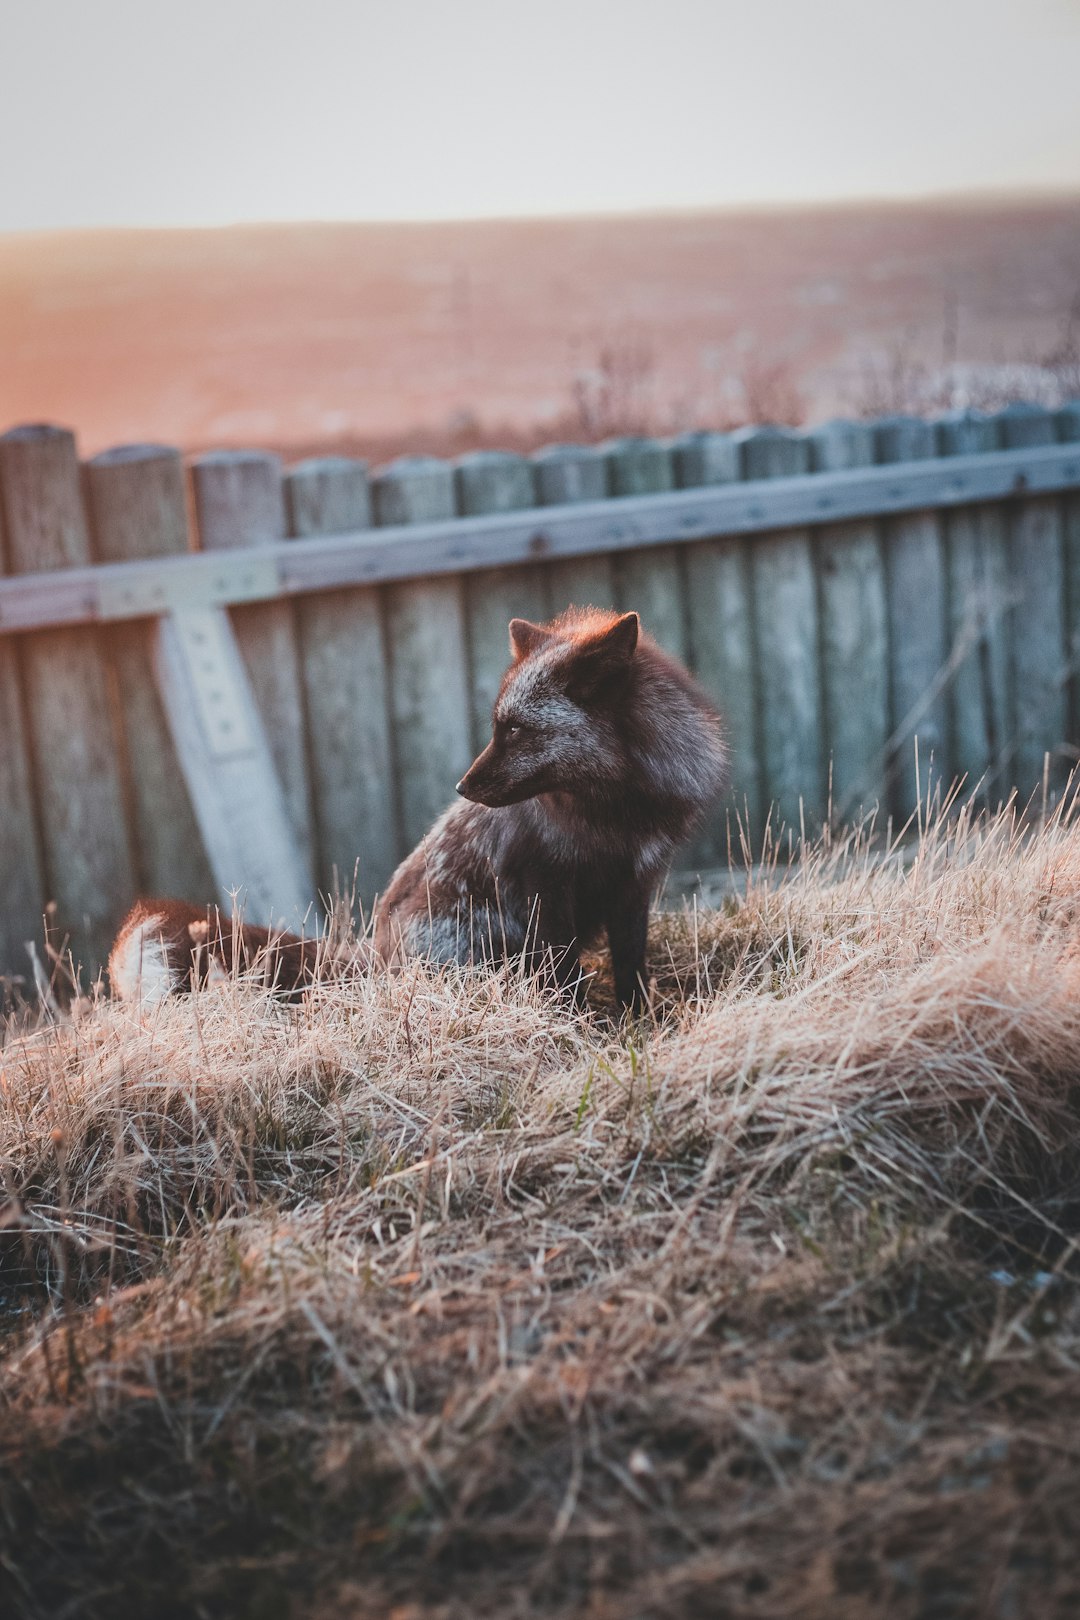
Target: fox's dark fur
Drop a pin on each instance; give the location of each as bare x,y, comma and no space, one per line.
604,755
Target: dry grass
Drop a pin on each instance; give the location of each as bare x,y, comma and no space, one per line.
433,1298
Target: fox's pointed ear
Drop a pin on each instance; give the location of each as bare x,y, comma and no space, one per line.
604,656
526,638
620,642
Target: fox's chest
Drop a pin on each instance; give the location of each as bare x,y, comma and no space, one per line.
572,857
636,848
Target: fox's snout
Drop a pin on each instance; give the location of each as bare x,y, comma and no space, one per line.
473,779
479,783
491,780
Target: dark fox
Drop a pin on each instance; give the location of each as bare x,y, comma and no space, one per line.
604,755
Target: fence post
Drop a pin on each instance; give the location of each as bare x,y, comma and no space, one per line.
1068,426
496,481
1038,642
786,616
915,580
137,507
649,579
565,473
429,681
239,501
23,904
854,630
980,612
343,660
720,640
88,863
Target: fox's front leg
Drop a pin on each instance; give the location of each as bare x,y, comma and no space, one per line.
627,931
566,966
561,958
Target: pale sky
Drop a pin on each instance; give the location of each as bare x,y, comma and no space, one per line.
141,112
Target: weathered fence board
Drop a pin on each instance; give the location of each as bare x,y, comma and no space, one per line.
704,457
918,637
496,481
24,889
1068,426
723,650
137,507
343,660
854,632
649,580
720,642
566,474
1037,573
785,611
429,676
979,608
71,715
239,502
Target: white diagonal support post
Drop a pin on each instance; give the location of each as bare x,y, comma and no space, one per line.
225,756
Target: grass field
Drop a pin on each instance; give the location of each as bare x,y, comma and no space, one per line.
433,1298
376,339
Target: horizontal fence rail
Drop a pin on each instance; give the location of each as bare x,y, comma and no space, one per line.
109,591
231,675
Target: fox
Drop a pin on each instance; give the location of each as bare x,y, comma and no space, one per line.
604,756
169,947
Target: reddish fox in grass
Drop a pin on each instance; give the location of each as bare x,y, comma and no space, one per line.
170,945
605,754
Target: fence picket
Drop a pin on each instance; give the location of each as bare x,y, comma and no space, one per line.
565,473
1068,427
23,880
137,507
854,632
918,635
87,858
786,617
1039,675
239,501
343,660
979,610
721,642
428,676
496,481
649,579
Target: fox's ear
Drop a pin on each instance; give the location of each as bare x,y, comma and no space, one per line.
526,638
604,656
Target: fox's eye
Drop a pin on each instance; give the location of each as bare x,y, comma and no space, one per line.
513,731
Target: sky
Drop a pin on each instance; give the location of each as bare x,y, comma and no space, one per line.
150,112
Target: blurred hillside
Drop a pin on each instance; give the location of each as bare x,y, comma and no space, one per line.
377,338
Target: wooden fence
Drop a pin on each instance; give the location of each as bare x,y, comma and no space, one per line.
842,592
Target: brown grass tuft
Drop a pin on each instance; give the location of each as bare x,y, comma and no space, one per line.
435,1298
